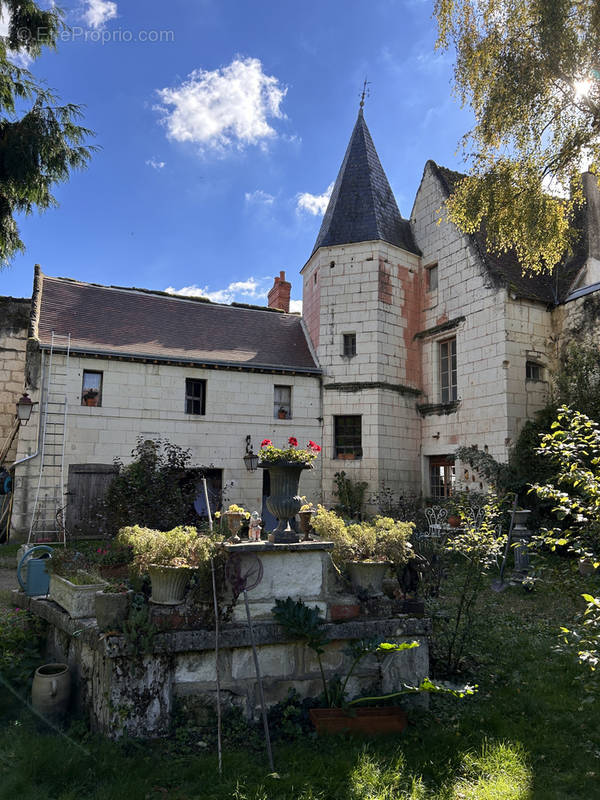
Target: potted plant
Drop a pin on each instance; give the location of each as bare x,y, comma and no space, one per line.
169,557
234,516
112,606
90,398
282,413
285,466
366,550
306,513
73,582
340,714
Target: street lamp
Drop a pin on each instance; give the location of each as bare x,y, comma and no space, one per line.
24,408
250,459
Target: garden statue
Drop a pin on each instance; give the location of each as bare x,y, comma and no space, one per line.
254,527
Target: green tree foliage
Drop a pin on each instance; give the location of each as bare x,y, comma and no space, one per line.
573,448
40,140
529,71
156,490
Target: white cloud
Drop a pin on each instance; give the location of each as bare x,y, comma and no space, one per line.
152,162
97,12
295,306
225,107
314,203
250,290
259,197
18,57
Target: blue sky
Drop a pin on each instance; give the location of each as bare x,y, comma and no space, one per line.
219,140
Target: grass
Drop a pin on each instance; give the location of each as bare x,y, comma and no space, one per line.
529,734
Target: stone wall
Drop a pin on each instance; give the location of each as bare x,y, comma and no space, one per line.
14,325
127,693
369,289
124,691
495,335
148,400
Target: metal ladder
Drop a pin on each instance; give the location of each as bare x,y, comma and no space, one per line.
48,520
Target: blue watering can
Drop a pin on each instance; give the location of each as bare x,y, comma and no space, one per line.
38,580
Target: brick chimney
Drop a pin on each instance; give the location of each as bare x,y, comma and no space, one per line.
279,296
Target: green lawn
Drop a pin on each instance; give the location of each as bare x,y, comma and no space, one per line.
528,733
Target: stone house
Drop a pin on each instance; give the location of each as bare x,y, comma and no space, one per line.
414,340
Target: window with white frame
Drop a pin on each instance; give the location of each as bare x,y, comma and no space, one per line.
447,362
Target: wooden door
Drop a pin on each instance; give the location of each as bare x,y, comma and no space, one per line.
86,489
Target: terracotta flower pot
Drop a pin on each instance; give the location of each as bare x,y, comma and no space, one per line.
454,521
359,721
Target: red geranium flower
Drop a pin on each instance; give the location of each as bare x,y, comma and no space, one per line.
265,443
292,441
314,446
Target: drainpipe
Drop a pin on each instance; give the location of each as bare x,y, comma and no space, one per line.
40,427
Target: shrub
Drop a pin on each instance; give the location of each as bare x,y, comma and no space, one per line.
383,539
350,494
573,449
20,646
156,490
180,547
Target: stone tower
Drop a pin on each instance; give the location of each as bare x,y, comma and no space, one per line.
362,300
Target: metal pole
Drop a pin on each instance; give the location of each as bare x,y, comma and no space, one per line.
259,681
216,611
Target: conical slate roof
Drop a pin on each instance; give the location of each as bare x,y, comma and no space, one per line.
362,206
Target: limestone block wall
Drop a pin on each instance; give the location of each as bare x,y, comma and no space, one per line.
484,416
14,324
149,400
529,337
369,289
124,692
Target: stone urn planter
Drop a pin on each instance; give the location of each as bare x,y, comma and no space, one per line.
169,584
305,517
359,721
234,523
112,609
367,576
77,599
284,502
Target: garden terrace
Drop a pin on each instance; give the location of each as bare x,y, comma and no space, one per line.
125,691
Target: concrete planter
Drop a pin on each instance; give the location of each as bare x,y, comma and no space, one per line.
112,609
168,584
358,721
78,600
367,576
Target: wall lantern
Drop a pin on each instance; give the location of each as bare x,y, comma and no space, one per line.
24,408
250,459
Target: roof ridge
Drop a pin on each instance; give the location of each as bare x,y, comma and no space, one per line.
170,295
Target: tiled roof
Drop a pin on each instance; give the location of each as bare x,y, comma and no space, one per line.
132,322
505,268
362,206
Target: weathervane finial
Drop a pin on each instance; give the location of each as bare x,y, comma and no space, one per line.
365,93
